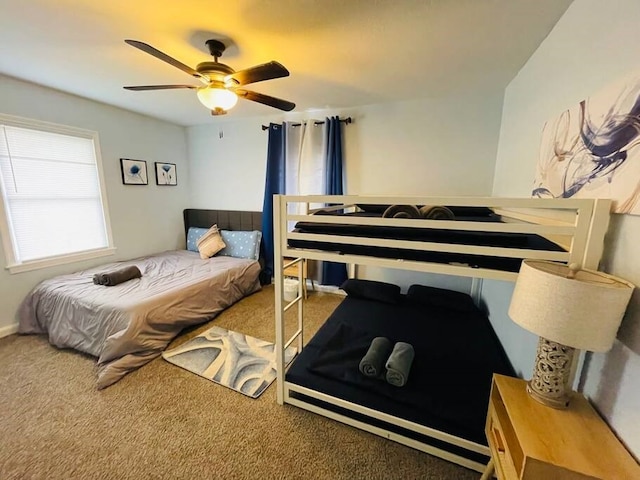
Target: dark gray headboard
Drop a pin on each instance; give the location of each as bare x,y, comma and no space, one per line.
226,220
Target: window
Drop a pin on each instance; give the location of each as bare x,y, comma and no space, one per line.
53,196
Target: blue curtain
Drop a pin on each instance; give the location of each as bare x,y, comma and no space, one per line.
334,273
274,184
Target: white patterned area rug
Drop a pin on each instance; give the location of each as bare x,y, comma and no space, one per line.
235,360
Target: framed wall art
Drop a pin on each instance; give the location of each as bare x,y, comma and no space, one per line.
592,149
166,174
134,172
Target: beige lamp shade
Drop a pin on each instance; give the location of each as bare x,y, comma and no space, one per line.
583,312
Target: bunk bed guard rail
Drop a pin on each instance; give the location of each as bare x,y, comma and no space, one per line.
577,226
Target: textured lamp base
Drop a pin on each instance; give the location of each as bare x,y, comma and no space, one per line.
549,384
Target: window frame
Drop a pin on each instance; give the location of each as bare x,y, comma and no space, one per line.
11,263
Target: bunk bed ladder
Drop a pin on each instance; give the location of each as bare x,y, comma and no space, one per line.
279,215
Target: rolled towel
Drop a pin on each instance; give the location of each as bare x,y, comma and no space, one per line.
372,363
401,211
436,212
399,364
117,277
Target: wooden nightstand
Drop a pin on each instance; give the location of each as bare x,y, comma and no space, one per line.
292,271
530,441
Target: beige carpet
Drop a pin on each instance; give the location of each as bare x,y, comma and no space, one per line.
162,422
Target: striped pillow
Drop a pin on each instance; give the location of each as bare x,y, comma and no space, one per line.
210,243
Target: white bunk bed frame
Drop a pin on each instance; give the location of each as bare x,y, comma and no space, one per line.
579,225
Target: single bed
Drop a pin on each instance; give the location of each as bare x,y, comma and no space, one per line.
346,229
127,325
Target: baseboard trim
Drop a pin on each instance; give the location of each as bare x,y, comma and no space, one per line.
8,330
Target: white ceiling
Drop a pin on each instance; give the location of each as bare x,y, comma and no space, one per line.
341,53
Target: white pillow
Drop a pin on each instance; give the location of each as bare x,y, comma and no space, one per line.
210,243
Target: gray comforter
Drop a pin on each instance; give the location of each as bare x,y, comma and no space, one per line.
128,325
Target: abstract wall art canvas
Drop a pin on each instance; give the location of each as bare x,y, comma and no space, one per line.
591,150
134,172
166,174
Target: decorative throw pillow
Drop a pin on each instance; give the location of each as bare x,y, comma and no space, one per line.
210,243
193,235
241,244
440,297
372,290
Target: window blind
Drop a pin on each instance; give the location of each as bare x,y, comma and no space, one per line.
51,193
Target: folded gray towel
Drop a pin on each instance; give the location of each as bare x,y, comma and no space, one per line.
117,277
436,212
372,363
401,211
399,364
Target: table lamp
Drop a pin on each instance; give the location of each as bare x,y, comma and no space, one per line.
569,309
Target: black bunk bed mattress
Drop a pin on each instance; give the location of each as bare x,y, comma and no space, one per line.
460,237
456,354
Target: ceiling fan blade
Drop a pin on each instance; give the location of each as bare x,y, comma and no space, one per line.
266,100
266,71
158,87
163,56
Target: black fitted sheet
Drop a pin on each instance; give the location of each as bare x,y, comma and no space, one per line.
456,354
460,237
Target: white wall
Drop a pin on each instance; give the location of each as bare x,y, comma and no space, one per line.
144,219
228,164
427,147
423,147
594,43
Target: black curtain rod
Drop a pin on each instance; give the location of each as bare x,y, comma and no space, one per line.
343,120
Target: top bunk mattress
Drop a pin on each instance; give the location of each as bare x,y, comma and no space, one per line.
458,237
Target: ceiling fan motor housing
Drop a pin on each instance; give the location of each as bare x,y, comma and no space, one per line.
214,70
216,47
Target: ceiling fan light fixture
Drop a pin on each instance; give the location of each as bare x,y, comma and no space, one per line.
217,98
219,91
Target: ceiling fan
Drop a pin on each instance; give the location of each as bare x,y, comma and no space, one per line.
220,91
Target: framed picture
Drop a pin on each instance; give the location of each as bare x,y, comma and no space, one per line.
592,149
134,172
166,174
